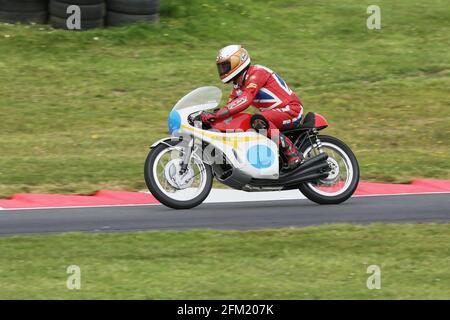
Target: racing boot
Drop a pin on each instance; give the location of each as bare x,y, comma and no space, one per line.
293,156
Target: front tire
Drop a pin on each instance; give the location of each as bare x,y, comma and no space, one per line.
152,179
325,191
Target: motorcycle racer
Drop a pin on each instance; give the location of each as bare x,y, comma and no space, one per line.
279,107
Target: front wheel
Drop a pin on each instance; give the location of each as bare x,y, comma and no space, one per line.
343,178
173,186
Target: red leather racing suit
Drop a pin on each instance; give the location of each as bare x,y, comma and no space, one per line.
265,90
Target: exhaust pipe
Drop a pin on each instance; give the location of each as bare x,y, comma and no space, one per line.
308,163
310,170
310,178
307,178
313,169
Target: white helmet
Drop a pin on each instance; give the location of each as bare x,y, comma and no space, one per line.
231,61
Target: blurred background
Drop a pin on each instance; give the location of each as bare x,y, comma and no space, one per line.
79,110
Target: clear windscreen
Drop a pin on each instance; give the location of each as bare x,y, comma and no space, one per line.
205,96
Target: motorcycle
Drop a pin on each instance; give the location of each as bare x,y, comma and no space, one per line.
179,170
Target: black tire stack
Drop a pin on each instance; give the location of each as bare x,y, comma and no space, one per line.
122,12
92,13
26,11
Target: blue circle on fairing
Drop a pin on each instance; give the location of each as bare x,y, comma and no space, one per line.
174,121
260,156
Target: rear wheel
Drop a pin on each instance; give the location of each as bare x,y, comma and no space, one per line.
343,178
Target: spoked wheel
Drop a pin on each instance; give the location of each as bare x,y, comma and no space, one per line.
343,177
170,184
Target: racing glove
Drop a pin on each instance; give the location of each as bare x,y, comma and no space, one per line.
207,117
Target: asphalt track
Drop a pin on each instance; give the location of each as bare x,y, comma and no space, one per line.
422,208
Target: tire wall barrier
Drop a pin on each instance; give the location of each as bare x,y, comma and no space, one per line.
92,13
25,11
122,12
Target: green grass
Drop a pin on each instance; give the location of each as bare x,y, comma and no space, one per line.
79,109
327,262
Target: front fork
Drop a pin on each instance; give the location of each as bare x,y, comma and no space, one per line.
190,147
187,153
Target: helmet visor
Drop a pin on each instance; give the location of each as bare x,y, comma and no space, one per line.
224,68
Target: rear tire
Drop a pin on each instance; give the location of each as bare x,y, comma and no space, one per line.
316,197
